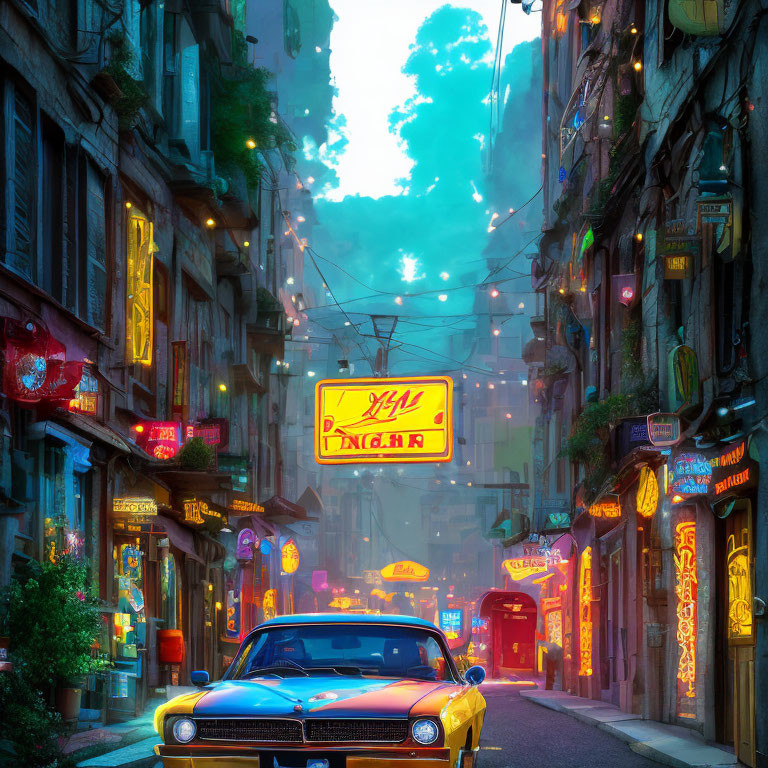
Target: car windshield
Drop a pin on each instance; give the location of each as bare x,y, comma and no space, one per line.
347,649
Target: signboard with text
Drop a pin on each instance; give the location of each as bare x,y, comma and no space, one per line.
370,421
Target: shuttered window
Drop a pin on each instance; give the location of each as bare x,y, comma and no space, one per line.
94,256
21,171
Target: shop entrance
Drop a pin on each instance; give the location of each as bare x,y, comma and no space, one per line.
507,623
735,695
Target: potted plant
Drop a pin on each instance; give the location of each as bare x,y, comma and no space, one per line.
53,619
196,455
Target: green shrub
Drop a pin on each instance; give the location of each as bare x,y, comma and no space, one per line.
196,455
134,97
31,730
53,619
242,109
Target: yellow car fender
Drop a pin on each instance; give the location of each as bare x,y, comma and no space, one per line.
180,705
464,709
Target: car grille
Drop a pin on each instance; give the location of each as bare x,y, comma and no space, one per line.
357,730
272,730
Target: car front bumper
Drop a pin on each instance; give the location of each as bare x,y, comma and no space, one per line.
250,757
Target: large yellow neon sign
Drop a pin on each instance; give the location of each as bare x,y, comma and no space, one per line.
686,590
139,296
371,421
739,587
585,613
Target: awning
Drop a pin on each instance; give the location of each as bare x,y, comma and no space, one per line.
280,510
180,537
92,429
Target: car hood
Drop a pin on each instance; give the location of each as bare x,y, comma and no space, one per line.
316,697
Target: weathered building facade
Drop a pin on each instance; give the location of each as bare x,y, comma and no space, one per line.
649,270
144,318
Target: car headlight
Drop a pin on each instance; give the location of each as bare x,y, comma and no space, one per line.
184,730
425,731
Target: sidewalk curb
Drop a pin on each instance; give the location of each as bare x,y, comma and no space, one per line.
666,744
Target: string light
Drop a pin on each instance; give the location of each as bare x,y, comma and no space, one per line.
444,275
210,223
222,387
639,237
496,331
638,65
398,300
128,204
251,144
246,244
494,292
443,297
300,219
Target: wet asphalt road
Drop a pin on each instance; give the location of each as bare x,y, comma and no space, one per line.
532,736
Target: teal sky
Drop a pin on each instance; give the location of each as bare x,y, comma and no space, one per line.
405,207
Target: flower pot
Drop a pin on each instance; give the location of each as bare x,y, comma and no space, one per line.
67,703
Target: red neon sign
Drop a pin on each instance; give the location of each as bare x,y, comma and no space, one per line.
686,590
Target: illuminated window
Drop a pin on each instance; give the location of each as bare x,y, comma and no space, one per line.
686,592
585,613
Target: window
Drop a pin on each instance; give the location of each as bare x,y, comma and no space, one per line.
93,256
62,247
20,174
383,651
53,196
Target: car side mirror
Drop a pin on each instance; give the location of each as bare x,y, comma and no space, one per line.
475,675
199,677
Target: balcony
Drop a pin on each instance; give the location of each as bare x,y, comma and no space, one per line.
213,24
231,259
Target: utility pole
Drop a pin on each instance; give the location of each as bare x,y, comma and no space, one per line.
383,328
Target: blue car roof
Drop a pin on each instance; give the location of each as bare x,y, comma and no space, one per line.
341,618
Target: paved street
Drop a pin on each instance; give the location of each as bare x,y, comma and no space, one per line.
531,736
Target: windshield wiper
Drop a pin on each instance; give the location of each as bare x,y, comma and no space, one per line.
275,670
341,669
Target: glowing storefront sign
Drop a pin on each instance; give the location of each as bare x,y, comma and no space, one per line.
520,568
550,604
134,507
585,613
247,542
450,623
739,558
405,570
690,476
555,627
647,492
384,420
289,557
663,429
683,389
608,508
86,399
686,592
160,439
240,505
139,292
196,512
732,481
269,605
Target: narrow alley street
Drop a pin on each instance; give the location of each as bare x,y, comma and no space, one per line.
520,733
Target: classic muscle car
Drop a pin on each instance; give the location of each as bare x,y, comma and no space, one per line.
330,691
